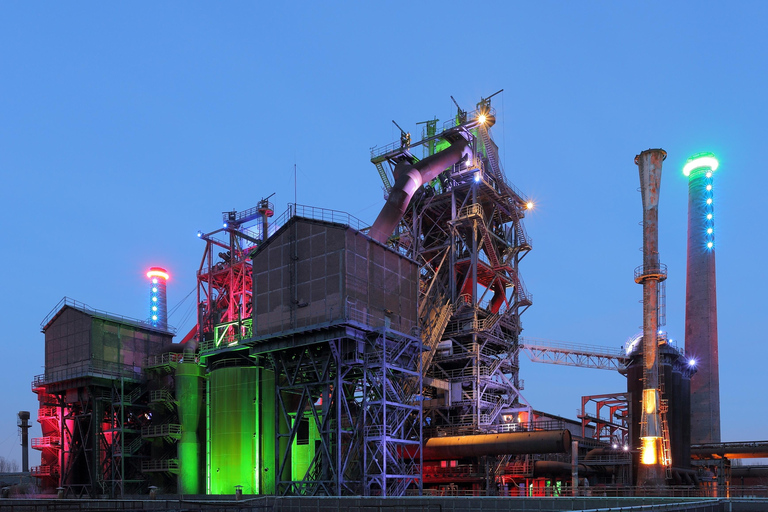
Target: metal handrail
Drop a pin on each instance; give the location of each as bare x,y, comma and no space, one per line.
651,270
323,214
66,301
94,368
41,442
250,212
47,411
470,210
377,151
167,429
161,395
38,381
44,470
163,359
573,347
160,465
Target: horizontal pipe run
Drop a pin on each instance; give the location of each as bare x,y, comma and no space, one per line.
509,443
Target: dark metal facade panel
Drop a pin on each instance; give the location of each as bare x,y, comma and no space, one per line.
315,273
76,340
67,339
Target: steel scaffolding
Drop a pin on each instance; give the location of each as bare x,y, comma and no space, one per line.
465,230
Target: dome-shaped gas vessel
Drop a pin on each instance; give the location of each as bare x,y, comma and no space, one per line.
675,371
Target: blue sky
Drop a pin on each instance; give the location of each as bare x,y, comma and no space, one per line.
126,128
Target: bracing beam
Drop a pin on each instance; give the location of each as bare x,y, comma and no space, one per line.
573,354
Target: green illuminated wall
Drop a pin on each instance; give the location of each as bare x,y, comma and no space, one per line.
234,432
302,454
189,388
267,414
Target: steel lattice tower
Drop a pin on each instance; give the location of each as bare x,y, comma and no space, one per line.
465,230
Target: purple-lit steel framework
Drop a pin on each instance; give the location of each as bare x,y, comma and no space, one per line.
464,227
345,355
650,274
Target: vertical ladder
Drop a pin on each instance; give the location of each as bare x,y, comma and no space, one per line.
666,449
665,443
662,303
383,176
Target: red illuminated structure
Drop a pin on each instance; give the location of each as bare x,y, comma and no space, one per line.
158,301
462,222
93,408
224,284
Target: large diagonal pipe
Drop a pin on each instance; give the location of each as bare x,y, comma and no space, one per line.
408,179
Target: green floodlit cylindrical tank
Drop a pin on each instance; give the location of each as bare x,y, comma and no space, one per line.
234,435
189,388
267,414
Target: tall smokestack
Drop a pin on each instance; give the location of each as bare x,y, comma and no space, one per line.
650,472
701,300
24,427
158,304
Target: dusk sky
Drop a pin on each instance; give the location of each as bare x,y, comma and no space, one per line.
127,127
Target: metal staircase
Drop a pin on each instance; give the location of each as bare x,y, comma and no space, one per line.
131,449
490,153
490,249
163,397
383,176
169,432
523,297
434,329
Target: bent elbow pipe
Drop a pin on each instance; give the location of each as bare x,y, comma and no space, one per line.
407,183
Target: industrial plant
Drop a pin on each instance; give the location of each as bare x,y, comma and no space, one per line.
331,357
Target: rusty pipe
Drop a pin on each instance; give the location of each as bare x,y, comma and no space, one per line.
509,443
24,427
543,468
649,163
408,179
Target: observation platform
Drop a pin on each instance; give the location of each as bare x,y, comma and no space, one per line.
650,273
